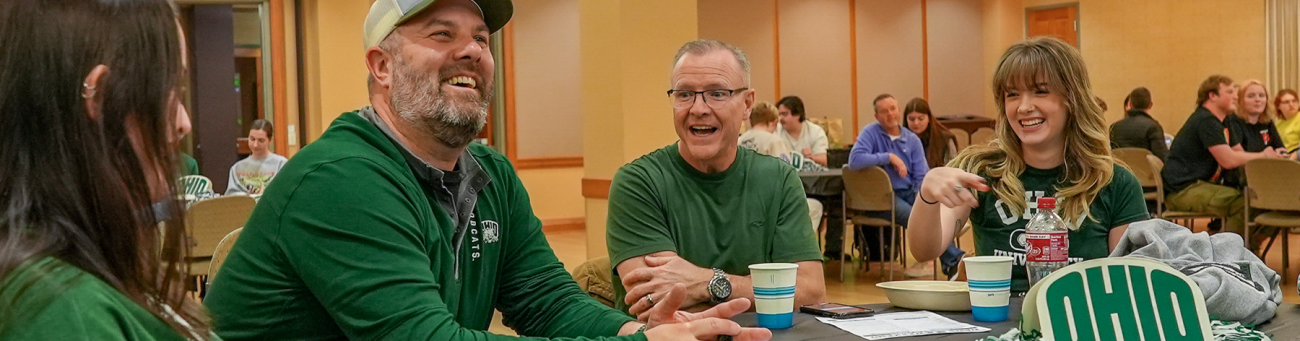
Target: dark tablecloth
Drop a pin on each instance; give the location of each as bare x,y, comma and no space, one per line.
1283,327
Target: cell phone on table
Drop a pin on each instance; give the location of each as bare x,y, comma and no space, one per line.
836,310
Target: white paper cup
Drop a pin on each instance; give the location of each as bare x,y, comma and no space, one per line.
989,278
774,293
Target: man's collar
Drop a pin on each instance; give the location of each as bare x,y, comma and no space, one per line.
465,163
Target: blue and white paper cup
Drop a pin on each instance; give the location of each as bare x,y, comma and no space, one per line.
989,278
774,293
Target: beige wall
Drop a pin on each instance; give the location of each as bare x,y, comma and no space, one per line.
1166,46
555,193
1003,25
749,25
334,61
815,58
889,53
547,92
956,79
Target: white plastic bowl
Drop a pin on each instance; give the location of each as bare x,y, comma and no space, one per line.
928,295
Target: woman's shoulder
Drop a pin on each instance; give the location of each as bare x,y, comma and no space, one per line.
1122,177
62,301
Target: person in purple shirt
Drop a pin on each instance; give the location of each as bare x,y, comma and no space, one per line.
899,151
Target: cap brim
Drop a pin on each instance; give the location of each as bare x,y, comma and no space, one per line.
496,13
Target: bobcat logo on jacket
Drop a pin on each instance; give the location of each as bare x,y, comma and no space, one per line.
490,231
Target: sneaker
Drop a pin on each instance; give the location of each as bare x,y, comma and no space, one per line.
951,271
920,269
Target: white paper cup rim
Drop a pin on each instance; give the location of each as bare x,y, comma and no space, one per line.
773,266
987,259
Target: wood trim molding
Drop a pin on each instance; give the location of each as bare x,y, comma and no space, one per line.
925,52
549,162
853,62
776,44
564,224
508,65
595,188
279,99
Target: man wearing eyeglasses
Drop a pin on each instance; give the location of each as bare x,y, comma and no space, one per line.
700,211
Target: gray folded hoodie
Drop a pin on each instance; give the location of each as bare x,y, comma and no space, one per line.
1237,285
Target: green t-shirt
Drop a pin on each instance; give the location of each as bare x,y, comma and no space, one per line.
67,303
189,166
753,212
998,232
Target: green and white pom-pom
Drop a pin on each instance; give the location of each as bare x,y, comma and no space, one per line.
1223,331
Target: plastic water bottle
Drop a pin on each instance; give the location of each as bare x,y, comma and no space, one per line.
1049,242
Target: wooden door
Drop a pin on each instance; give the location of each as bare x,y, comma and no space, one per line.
1059,22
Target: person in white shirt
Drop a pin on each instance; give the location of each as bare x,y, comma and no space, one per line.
251,175
804,137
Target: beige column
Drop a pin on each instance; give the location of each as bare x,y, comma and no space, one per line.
627,47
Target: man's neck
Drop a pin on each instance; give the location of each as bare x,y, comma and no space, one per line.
718,164
794,129
261,155
895,131
1213,110
768,127
430,150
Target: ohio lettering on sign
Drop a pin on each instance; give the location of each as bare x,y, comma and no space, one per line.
1117,299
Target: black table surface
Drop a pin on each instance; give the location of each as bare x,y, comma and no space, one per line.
1283,327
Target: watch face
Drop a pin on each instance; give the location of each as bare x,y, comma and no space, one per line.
720,289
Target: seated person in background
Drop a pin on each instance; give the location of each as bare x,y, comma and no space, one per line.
900,152
760,137
1137,129
1201,154
1052,143
940,145
700,211
1252,120
359,237
803,137
1287,103
252,174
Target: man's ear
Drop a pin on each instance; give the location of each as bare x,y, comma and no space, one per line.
91,90
380,64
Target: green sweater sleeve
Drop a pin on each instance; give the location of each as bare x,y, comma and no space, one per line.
361,251
536,295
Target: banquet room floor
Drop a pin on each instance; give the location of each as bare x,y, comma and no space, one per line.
571,247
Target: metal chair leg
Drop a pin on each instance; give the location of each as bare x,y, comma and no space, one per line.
880,237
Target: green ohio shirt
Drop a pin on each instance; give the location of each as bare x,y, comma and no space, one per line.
753,212
346,244
999,232
62,302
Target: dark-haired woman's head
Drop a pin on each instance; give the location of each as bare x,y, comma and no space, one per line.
89,113
917,115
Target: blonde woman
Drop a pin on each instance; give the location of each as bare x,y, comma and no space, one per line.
1287,103
1253,122
1052,142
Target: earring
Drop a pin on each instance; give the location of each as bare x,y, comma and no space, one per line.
90,88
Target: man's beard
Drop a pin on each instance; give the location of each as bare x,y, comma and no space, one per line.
454,120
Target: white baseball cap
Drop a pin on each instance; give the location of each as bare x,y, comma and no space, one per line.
385,15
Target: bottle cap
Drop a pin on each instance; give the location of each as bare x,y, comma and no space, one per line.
1047,203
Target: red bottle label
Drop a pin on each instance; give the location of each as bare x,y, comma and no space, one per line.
1048,246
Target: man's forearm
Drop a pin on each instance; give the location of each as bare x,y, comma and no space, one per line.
820,159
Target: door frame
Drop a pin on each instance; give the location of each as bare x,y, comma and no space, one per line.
1078,20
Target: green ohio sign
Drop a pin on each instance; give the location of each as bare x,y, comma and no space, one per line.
1117,299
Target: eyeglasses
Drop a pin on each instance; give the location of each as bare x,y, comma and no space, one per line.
683,99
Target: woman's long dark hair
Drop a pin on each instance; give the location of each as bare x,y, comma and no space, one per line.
78,188
935,137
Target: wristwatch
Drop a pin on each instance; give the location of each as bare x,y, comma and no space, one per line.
719,287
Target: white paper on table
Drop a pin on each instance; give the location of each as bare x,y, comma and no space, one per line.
892,325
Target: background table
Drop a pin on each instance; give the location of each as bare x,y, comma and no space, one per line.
1283,327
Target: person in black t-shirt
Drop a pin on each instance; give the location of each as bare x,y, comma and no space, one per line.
1138,129
1202,151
